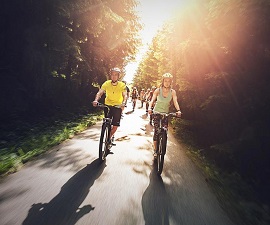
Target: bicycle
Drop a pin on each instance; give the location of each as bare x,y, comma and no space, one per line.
105,143
162,136
134,100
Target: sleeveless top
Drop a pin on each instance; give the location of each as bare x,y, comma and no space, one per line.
162,104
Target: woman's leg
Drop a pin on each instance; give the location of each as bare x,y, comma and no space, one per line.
156,126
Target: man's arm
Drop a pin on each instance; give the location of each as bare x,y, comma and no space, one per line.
98,96
125,97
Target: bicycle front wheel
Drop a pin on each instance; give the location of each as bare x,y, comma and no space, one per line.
162,143
104,142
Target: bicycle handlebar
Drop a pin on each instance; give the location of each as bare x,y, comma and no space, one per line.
107,106
166,114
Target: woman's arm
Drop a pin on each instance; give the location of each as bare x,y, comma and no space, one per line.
154,97
175,102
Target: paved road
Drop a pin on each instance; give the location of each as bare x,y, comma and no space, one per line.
68,186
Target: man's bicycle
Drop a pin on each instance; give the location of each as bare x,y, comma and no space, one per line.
162,136
105,143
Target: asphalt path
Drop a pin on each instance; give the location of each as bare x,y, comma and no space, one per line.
68,185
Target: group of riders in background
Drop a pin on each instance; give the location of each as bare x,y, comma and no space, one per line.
145,96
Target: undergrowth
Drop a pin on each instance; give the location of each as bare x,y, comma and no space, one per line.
22,140
237,197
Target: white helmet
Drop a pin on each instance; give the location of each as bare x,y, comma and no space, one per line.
116,69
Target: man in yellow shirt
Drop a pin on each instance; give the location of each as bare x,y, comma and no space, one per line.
116,95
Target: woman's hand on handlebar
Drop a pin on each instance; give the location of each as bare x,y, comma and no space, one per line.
150,111
178,114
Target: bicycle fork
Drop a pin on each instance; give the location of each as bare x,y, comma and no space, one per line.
163,133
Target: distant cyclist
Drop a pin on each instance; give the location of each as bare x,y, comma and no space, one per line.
128,90
116,95
163,96
142,95
148,99
134,97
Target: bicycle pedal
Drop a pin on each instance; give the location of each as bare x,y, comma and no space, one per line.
109,152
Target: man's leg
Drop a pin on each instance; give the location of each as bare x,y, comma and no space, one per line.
113,130
116,112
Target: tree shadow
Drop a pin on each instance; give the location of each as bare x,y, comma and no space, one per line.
64,209
144,116
129,112
155,200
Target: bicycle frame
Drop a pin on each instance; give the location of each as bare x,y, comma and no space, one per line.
162,130
162,140
104,142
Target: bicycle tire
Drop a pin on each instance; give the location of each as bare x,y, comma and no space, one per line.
103,142
162,145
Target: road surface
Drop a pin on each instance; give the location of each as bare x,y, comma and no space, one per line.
68,185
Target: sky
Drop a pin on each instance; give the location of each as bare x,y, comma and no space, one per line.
153,14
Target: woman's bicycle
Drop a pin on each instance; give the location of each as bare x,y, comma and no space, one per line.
105,143
162,136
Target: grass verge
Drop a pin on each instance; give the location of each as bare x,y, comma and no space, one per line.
22,140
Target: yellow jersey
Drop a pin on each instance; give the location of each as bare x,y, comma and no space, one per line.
114,93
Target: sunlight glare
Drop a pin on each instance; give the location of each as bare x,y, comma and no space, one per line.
153,14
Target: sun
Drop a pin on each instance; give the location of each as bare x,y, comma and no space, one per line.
153,14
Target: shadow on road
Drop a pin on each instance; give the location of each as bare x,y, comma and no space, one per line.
64,209
155,201
129,112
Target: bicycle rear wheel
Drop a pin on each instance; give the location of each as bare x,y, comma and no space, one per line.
162,143
104,142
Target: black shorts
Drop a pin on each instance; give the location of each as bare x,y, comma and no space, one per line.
114,114
156,119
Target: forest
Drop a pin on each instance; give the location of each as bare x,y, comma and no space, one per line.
219,54
54,51
55,54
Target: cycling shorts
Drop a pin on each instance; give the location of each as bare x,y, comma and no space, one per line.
114,114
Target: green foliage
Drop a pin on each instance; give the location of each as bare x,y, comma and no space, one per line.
21,140
218,52
56,49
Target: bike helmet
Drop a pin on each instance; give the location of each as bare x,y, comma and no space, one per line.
167,75
116,69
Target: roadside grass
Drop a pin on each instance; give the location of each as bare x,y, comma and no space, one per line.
21,140
236,196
